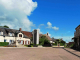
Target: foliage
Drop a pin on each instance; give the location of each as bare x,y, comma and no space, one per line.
31,39
43,40
61,42
5,26
4,43
54,43
69,46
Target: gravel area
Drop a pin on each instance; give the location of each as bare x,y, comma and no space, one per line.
47,53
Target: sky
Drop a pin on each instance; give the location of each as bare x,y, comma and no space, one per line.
59,18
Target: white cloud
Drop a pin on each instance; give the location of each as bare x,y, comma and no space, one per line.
41,25
39,31
14,13
55,28
49,25
65,38
49,34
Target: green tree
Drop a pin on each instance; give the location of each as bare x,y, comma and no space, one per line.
5,26
31,39
43,40
60,41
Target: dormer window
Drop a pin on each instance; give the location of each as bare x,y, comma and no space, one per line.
1,33
20,35
10,34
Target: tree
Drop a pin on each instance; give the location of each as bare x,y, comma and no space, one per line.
31,39
5,26
60,41
43,40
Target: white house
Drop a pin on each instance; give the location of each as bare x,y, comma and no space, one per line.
12,35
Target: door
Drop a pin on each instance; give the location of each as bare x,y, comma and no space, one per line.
4,40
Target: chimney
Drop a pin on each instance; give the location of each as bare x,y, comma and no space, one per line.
47,33
20,29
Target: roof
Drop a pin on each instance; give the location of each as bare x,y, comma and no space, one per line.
46,36
29,34
77,26
8,30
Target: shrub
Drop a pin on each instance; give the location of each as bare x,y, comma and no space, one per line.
54,43
61,44
4,43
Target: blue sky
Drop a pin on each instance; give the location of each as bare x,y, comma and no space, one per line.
57,17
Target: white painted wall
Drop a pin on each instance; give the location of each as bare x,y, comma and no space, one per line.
37,37
7,38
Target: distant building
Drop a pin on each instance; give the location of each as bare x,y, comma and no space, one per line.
47,35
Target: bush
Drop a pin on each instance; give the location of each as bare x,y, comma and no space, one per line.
26,45
4,43
29,45
61,44
54,43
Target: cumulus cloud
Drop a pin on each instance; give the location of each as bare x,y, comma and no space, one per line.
39,31
49,25
14,13
55,28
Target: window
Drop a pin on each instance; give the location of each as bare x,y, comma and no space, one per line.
0,33
10,34
20,35
4,40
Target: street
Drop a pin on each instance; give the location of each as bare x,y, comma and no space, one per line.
48,53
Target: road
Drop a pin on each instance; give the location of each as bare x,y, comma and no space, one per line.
36,54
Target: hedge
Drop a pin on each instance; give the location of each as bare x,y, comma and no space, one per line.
4,43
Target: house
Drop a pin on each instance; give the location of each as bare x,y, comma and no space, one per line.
76,37
47,35
12,35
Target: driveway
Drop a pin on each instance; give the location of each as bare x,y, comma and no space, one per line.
36,54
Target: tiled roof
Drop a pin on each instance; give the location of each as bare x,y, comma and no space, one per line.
46,36
8,30
29,34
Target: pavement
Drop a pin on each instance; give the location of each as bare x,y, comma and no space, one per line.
72,51
47,53
57,46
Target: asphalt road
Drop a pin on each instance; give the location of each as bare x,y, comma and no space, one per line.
36,54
